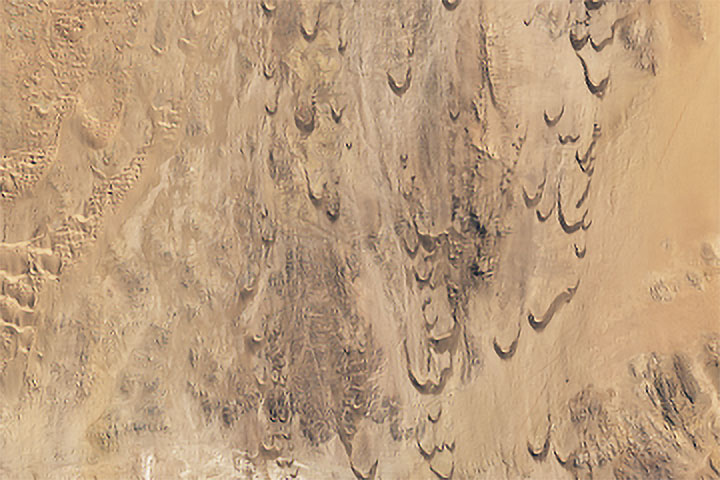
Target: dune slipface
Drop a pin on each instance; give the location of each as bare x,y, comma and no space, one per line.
312,239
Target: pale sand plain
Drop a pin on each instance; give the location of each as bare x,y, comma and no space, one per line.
264,239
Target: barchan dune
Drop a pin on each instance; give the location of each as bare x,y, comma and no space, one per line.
338,239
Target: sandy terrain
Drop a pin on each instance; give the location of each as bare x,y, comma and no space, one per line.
314,239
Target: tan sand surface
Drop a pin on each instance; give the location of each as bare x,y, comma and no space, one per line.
330,239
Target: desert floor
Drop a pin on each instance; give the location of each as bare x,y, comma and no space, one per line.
314,239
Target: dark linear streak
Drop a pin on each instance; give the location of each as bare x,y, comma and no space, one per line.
714,466
543,218
586,226
578,43
599,89
564,140
491,89
400,89
584,161
561,299
450,5
485,71
552,122
587,159
568,228
531,202
584,195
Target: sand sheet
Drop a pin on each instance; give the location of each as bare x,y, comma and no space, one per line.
312,239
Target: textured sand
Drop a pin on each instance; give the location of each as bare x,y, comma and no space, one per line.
265,239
